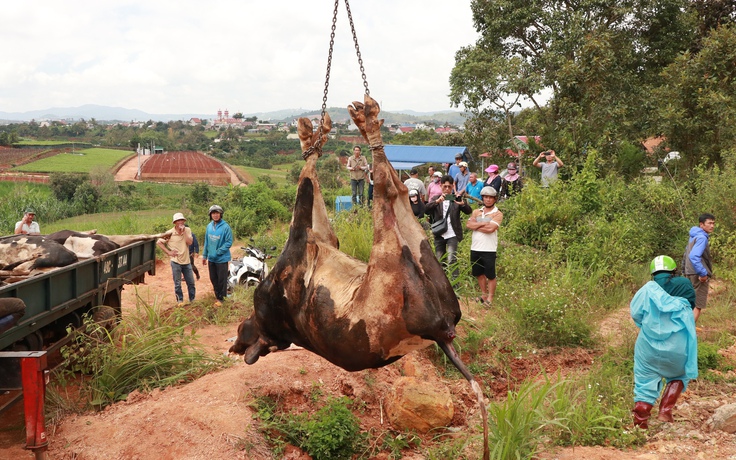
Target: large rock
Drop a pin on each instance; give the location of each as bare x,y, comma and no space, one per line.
418,405
724,419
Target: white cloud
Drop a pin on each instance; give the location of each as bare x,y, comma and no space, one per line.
187,56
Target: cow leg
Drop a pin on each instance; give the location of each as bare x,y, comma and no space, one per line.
310,225
429,306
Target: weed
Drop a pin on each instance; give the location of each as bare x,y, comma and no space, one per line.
333,432
396,442
143,352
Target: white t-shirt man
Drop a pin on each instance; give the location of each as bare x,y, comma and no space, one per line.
32,229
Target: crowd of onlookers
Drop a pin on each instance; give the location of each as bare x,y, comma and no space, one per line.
447,191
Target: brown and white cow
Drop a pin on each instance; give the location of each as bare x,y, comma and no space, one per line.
356,316
88,244
24,255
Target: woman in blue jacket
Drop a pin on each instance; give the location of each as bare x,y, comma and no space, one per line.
218,237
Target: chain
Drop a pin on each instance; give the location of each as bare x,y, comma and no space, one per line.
318,142
357,49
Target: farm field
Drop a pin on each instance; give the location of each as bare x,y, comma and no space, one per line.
279,173
117,223
184,166
10,157
83,161
45,142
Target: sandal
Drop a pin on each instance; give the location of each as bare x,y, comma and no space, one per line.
479,300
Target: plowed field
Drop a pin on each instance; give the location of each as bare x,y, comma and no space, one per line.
187,166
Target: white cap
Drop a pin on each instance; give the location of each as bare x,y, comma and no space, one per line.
178,216
437,174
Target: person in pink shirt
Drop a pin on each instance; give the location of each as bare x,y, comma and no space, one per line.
434,189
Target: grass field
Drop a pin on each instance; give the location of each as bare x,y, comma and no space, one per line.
45,143
278,173
83,161
116,223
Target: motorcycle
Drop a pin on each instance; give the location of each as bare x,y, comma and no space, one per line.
249,270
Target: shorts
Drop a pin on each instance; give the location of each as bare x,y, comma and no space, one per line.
701,290
483,263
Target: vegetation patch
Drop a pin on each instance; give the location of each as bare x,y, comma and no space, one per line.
81,161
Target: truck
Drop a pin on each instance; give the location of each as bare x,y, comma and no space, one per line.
61,297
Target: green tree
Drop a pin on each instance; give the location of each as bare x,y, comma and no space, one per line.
697,102
65,184
597,58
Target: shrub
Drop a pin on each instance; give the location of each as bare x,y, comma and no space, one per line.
552,315
333,432
65,184
143,352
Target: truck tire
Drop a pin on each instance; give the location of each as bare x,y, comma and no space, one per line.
108,314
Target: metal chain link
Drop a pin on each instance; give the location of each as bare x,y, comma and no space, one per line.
318,143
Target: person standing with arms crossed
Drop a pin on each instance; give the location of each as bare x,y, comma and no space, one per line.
697,264
357,165
218,237
177,248
484,223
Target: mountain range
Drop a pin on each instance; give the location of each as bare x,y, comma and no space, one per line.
105,114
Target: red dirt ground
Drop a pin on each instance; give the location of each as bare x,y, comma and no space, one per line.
211,418
187,166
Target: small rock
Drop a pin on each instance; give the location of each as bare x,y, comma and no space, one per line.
418,405
724,419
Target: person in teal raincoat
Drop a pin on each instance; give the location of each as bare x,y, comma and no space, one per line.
667,347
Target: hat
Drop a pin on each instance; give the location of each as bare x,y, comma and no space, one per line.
413,171
488,191
511,166
492,168
30,211
413,192
437,174
458,155
463,164
178,216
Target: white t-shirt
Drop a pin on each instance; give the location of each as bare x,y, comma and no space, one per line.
486,242
33,228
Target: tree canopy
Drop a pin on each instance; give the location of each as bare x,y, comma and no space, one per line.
601,73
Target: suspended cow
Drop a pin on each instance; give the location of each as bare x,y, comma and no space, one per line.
356,316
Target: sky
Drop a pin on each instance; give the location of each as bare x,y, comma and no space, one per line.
186,56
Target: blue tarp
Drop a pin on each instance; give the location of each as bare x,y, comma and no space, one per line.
404,157
667,346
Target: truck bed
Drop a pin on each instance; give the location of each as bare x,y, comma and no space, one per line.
76,288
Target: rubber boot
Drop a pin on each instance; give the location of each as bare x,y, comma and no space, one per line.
669,398
641,414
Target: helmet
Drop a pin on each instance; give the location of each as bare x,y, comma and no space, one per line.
488,191
413,192
215,208
662,264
